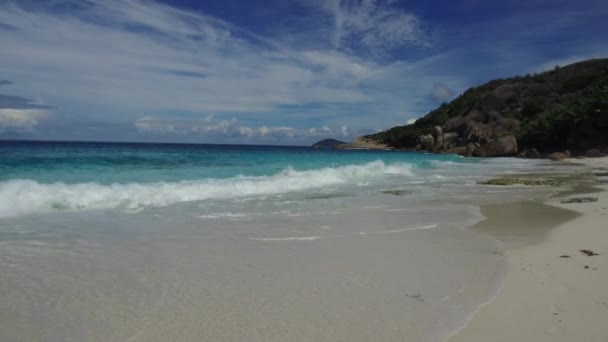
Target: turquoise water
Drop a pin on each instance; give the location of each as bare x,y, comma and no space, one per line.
107,163
40,177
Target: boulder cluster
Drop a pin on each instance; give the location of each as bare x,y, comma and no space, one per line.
452,143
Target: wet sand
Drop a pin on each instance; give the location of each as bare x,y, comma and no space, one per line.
553,291
378,273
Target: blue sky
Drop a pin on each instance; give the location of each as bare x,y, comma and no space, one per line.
269,72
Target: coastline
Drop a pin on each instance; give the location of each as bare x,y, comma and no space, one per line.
351,261
552,291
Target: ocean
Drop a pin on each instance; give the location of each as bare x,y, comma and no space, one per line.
158,242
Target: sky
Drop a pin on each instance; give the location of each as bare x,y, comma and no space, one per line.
286,72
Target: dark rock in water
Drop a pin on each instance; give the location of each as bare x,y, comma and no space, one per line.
396,192
328,143
555,156
460,150
530,153
594,153
504,146
580,200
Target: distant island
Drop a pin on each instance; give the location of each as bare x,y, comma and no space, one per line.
328,143
554,113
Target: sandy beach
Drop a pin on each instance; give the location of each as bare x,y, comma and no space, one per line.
404,248
555,290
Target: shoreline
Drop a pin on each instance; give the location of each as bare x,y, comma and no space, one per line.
345,264
552,291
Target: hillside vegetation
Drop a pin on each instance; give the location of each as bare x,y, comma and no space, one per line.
562,109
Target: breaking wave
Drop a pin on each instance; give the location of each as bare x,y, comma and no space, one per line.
24,196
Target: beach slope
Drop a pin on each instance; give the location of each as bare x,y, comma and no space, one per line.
554,290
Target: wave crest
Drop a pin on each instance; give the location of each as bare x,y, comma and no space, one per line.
25,196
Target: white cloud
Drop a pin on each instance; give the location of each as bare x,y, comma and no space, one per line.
375,25
20,119
211,127
442,92
136,56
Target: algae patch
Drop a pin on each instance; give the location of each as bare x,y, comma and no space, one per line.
504,181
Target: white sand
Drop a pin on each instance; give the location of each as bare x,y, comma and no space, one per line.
547,297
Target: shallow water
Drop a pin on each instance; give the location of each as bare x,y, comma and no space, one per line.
198,243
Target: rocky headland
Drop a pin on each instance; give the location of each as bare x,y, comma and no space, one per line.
555,114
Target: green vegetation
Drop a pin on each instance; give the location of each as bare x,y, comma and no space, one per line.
579,123
565,108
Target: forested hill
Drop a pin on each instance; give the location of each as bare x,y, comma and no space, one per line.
562,109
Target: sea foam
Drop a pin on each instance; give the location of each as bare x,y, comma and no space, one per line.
24,196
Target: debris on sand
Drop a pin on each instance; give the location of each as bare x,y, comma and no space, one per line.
588,252
580,200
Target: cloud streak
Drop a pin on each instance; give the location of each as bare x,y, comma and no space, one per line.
20,120
18,102
211,127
